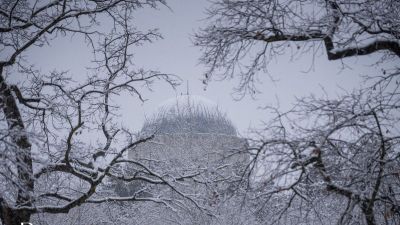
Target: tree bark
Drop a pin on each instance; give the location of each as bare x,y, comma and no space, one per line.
12,217
368,213
23,158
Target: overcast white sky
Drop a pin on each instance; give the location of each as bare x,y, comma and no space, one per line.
176,54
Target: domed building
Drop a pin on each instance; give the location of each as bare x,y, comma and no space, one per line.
189,114
191,136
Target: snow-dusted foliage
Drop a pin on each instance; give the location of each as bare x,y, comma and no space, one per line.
244,36
231,211
205,169
215,160
61,143
188,114
328,160
340,168
193,138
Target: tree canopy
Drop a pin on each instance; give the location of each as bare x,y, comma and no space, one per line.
340,151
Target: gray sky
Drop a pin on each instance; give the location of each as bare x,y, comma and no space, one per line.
176,54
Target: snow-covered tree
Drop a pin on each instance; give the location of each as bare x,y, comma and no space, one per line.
60,142
193,136
328,160
244,35
187,142
331,162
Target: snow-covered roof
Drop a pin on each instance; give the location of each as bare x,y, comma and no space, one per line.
189,114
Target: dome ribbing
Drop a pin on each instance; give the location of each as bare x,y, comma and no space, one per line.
189,114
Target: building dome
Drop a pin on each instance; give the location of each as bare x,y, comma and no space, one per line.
188,114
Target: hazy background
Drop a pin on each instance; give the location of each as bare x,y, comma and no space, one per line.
176,54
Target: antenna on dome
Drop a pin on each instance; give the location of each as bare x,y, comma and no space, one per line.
187,87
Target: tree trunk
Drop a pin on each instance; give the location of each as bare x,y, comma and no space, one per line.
368,213
12,217
23,158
